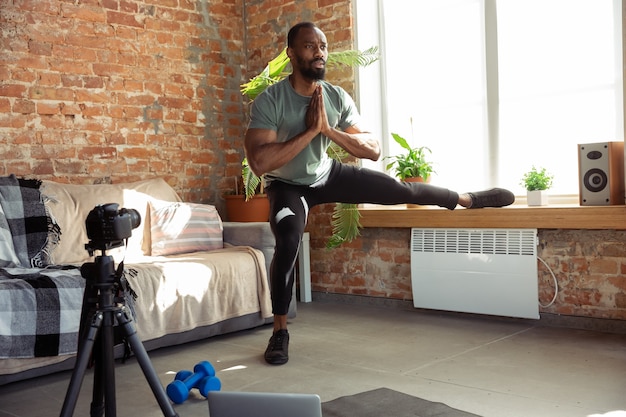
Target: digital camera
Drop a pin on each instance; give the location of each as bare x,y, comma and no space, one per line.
106,224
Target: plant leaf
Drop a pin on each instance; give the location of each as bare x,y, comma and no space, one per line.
401,141
250,181
274,71
336,152
277,65
271,74
411,164
345,223
353,57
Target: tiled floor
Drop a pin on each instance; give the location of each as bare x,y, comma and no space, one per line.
488,366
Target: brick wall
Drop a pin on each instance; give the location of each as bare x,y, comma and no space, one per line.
117,90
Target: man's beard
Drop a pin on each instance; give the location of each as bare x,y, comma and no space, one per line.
310,72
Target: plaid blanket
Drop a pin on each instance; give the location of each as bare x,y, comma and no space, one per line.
39,311
24,216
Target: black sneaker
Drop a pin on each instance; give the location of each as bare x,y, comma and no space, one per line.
495,197
277,349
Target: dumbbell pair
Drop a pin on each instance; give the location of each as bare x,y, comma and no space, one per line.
203,378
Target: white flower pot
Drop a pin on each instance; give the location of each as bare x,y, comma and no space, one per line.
537,198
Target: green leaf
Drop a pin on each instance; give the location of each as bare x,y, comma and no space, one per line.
537,179
271,74
401,141
251,182
275,69
345,223
277,65
413,163
353,57
336,152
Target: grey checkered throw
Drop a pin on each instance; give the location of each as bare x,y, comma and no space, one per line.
24,216
39,311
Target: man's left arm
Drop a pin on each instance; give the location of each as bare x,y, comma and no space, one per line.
357,142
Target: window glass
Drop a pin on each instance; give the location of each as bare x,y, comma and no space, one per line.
557,77
556,71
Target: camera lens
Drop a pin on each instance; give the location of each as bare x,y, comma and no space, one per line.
135,217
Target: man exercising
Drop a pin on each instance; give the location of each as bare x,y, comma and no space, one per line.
292,123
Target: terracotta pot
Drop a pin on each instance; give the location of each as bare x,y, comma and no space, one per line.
416,179
240,210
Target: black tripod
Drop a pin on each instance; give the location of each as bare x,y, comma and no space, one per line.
102,282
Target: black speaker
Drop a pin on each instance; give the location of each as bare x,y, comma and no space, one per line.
601,173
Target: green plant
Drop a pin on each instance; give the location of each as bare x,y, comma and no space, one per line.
252,184
537,179
275,69
346,218
411,164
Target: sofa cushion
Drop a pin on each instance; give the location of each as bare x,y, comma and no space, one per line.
184,228
182,292
70,204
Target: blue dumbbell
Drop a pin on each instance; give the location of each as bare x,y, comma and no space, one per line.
203,378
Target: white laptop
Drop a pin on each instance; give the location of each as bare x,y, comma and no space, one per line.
263,404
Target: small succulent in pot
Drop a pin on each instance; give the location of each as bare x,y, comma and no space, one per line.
537,179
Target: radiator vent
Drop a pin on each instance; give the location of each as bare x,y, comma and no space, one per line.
483,271
488,241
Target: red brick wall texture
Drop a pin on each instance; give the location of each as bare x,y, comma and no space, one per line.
118,90
99,91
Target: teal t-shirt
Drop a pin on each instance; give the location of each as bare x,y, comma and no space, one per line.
281,109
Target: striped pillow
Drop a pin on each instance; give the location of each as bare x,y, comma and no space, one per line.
184,228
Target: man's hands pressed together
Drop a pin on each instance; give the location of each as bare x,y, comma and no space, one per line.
316,119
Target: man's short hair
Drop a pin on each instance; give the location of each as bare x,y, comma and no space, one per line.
293,32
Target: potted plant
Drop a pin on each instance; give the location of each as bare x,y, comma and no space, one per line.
413,165
345,218
537,181
251,206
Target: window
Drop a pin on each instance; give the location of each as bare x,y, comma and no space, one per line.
494,87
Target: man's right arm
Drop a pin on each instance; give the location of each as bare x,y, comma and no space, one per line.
265,153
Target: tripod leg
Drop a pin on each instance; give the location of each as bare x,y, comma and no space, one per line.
103,398
97,399
144,361
82,360
108,362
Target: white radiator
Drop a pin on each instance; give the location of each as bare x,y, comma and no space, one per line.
483,271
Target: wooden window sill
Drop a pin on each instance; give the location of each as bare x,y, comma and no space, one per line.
514,217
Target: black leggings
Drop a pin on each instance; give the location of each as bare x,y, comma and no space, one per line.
290,204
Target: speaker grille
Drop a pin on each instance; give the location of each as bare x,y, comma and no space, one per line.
601,173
